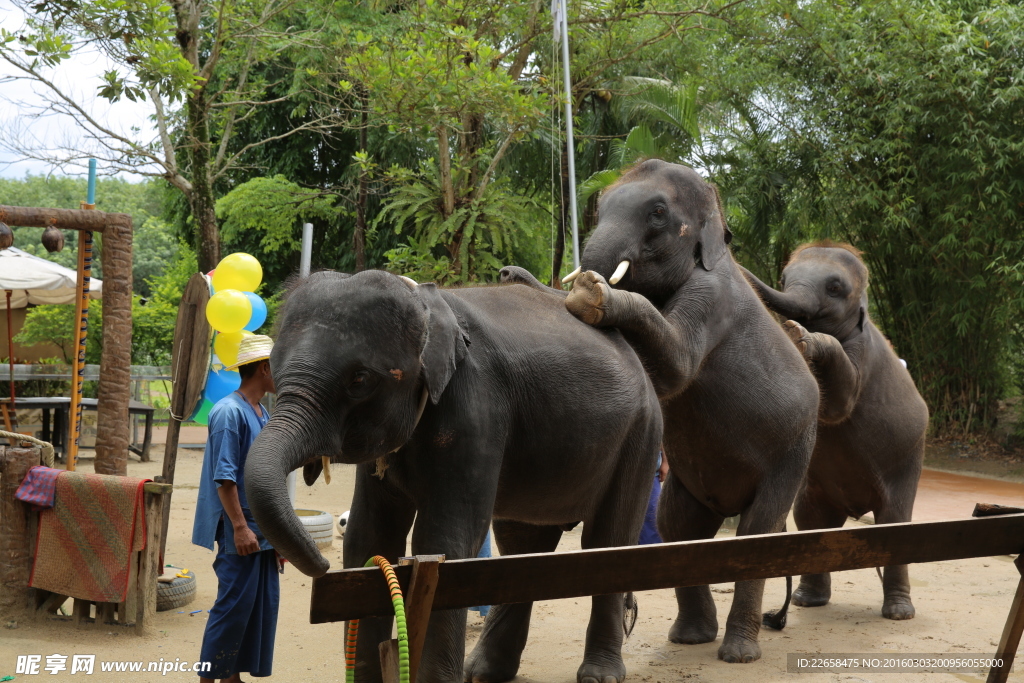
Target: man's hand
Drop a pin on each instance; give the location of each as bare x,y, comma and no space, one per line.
663,469
245,541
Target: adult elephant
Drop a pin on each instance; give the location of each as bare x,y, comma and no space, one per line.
872,421
739,403
459,407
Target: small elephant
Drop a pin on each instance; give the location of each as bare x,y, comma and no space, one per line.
872,421
459,407
739,402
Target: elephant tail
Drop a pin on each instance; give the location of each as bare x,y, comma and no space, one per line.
776,619
630,611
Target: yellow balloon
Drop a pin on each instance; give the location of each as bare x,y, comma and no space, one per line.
225,345
228,310
238,271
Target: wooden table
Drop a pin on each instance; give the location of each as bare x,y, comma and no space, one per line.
59,435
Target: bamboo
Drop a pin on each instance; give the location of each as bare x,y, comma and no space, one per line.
81,333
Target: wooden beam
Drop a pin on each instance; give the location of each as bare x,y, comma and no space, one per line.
359,593
66,219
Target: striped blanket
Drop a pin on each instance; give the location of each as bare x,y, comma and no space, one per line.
86,540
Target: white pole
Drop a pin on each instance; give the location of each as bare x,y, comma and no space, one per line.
304,266
307,249
570,145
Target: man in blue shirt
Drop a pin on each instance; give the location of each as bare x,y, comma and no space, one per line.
240,632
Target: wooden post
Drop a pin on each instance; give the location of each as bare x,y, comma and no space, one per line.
15,539
389,671
11,420
183,354
1012,630
418,604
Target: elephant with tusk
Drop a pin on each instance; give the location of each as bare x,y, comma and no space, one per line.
739,402
532,421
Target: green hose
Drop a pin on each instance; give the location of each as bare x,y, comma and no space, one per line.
403,633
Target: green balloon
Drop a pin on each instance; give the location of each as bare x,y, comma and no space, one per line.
202,415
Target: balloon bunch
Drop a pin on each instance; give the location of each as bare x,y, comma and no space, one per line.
235,312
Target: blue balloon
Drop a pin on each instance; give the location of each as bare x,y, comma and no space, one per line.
220,384
259,312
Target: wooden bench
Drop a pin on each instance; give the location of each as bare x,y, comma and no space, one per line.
429,583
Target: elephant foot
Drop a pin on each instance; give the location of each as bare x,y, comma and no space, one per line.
610,669
693,632
898,609
805,596
484,668
737,649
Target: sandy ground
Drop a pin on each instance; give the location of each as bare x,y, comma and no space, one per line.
961,607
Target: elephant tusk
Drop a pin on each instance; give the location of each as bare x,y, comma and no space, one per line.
572,276
619,273
409,281
326,460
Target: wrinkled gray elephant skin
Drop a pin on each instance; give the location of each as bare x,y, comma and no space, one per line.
739,402
872,420
529,418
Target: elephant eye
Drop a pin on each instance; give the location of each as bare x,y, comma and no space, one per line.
361,383
834,287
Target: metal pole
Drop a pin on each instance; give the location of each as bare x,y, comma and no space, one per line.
304,267
307,249
570,145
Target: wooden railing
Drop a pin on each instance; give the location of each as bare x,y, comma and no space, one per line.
358,593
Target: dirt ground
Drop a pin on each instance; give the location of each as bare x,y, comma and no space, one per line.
961,607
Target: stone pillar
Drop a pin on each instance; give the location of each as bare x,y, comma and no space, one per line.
15,543
112,433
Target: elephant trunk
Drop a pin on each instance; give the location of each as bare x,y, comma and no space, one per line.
794,305
277,451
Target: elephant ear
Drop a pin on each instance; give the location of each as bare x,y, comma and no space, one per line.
714,234
446,341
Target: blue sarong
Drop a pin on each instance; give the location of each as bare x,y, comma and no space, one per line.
649,533
239,635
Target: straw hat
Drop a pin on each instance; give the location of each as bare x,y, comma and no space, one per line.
253,349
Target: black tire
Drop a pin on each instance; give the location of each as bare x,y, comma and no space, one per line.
177,593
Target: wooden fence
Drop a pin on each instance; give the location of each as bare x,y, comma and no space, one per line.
430,584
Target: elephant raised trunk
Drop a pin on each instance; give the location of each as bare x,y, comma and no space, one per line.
795,304
276,452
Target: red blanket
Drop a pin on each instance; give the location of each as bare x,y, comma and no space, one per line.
85,542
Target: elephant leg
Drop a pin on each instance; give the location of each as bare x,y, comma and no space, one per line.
813,510
766,514
896,579
681,517
616,522
497,654
379,523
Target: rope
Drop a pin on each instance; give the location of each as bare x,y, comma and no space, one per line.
47,455
352,636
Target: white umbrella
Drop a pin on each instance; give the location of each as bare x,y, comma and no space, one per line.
34,280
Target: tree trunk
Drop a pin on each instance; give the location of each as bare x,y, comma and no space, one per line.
188,15
359,238
201,198
563,220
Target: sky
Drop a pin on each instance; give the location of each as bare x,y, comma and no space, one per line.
80,75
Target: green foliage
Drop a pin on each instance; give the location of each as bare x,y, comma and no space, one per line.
897,127
471,245
153,322
153,244
56,324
